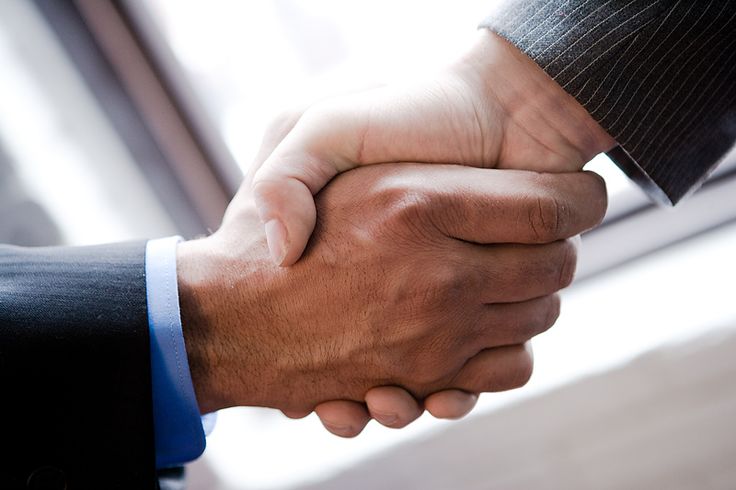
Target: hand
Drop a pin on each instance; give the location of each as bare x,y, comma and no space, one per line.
494,108
493,72
391,406
352,313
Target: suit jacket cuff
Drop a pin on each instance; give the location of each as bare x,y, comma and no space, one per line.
658,75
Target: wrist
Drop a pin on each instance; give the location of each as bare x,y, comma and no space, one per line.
531,101
226,287
198,324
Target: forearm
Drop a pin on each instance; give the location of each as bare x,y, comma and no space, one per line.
659,76
532,100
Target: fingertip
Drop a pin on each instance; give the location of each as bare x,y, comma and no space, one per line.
287,210
346,433
343,418
276,239
450,404
295,414
596,197
294,247
392,406
598,178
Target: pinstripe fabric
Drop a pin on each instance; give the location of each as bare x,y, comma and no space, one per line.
658,75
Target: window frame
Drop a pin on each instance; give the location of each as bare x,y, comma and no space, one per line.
192,172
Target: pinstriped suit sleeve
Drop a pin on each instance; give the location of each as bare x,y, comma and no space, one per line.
658,75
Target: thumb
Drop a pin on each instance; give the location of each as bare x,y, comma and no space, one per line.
287,211
378,126
317,149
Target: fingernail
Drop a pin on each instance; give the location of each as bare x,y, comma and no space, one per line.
276,239
340,430
385,418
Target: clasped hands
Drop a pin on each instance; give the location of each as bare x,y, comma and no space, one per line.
403,286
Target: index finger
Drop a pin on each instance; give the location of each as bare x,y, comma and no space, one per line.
511,206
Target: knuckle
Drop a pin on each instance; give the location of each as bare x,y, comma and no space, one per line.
552,312
539,317
285,118
326,116
394,207
409,207
280,125
600,201
266,194
402,200
567,264
425,378
262,187
544,218
523,368
448,284
470,334
412,199
432,366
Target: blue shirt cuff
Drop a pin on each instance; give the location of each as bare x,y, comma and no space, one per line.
178,428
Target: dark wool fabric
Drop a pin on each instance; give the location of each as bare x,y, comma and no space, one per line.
75,368
658,75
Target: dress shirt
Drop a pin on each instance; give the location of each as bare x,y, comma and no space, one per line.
179,431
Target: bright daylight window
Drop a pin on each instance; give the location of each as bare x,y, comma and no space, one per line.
53,135
248,60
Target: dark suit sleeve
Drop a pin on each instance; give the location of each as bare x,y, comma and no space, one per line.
658,75
75,368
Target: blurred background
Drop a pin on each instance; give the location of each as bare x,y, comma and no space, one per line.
130,119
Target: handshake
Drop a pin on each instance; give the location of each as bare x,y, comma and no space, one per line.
395,250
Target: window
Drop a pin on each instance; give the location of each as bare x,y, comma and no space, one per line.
131,119
64,155
246,61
